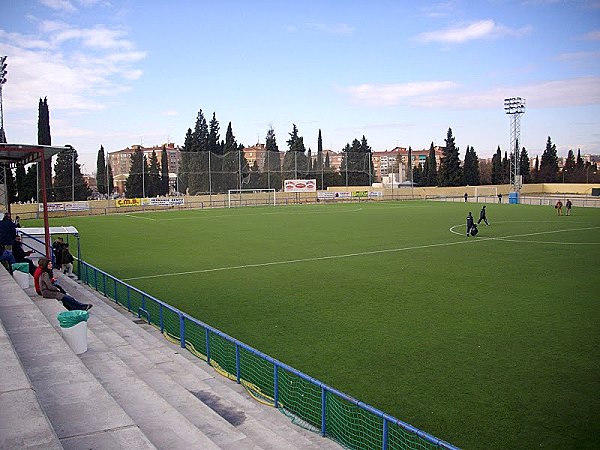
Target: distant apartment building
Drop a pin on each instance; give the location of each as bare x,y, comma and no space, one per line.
387,162
258,153
120,162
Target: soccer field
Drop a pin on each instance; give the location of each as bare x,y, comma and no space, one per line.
487,342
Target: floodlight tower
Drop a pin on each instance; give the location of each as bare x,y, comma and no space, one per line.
3,73
515,108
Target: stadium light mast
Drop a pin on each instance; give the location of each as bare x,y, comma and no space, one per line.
3,73
515,108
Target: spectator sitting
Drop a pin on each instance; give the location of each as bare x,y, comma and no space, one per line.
67,261
37,274
8,232
21,255
6,258
50,290
17,222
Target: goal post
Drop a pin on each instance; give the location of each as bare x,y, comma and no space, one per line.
251,197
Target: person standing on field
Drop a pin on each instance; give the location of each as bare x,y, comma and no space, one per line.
470,224
558,208
482,216
568,205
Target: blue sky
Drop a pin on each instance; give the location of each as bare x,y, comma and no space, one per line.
118,73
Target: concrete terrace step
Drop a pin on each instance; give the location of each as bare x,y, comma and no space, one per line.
113,363
80,411
23,423
222,409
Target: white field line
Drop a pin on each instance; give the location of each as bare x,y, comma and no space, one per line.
136,217
347,255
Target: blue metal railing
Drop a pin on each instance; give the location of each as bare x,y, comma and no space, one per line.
150,304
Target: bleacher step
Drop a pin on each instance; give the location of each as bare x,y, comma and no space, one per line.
175,372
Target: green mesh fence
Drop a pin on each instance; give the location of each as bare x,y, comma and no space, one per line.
348,422
257,375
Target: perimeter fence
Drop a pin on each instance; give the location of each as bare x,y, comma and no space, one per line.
306,401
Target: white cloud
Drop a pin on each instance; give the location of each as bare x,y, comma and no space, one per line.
450,95
393,94
59,5
76,68
442,9
592,36
579,56
483,29
337,28
170,113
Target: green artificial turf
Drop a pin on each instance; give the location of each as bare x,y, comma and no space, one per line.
483,342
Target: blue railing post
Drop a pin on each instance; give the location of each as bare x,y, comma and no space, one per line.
116,295
181,330
128,299
96,279
275,386
160,315
384,444
237,363
323,409
143,301
207,337
104,283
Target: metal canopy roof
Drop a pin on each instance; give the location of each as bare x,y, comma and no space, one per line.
14,154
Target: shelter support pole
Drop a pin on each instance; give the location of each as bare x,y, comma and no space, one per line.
45,206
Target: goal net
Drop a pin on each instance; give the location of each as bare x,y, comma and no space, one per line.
250,197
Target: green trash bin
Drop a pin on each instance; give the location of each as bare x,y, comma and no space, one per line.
73,325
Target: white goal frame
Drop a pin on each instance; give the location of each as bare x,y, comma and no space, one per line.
234,197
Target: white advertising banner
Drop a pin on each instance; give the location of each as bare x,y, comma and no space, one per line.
300,185
162,201
72,206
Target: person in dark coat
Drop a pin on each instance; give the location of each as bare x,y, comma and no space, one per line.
50,290
482,216
8,232
57,248
470,224
22,255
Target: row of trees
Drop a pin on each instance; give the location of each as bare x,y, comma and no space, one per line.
474,172
25,185
146,178
212,165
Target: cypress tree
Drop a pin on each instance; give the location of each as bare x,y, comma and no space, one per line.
44,138
450,172
497,170
432,174
111,179
318,165
272,164
471,167
22,189
68,179
524,166
295,164
153,182
549,163
135,183
570,167
505,169
101,181
186,159
164,172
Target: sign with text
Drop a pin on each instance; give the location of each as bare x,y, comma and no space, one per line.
127,202
300,186
162,201
71,206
